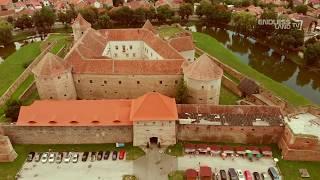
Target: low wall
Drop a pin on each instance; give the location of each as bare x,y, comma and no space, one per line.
32,87
232,86
68,135
231,134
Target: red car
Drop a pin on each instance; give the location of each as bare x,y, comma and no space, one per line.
248,175
121,154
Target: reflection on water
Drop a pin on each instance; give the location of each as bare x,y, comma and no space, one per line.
274,65
7,50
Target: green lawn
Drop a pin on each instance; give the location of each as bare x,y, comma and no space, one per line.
214,48
23,35
22,88
13,66
176,175
9,170
168,31
227,97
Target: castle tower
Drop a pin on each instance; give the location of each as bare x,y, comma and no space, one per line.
203,81
7,153
79,26
54,79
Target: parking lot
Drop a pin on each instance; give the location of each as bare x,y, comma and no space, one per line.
102,170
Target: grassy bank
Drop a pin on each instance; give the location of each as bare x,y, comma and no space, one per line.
9,170
214,48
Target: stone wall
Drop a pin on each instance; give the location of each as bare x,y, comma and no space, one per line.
90,86
231,134
68,135
7,153
232,86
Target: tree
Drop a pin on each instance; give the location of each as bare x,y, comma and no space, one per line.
301,9
244,23
203,8
164,12
217,14
104,21
288,39
62,17
181,94
23,22
312,54
245,3
5,32
90,14
265,30
150,13
139,16
122,15
44,19
185,10
12,110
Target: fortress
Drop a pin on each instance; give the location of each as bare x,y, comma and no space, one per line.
118,85
127,63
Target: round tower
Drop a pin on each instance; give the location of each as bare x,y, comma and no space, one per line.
203,81
79,26
54,78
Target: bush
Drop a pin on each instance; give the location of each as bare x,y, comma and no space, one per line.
12,110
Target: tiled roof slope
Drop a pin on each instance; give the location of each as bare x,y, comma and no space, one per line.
203,69
184,43
50,65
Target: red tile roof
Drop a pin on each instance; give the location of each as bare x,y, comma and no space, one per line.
191,173
149,26
184,43
204,69
151,106
154,106
50,65
82,22
5,2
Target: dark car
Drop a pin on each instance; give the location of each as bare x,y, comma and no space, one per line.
106,155
256,176
93,156
273,173
85,156
100,155
223,175
114,155
31,156
233,174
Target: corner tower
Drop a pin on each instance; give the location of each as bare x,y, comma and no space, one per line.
54,79
203,81
79,26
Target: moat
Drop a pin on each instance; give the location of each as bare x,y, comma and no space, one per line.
272,64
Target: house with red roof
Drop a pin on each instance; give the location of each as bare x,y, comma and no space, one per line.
6,8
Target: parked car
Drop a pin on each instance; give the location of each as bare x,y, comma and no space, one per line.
93,156
233,174
44,157
273,173
51,157
265,176
67,158
256,176
114,155
30,156
75,157
122,153
248,175
85,156
240,175
223,175
106,155
100,155
59,157
37,157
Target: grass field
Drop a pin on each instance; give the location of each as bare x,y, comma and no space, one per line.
168,31
176,175
9,170
227,97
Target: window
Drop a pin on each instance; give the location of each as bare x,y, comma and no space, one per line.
105,82
202,87
117,47
95,122
59,77
78,81
51,97
176,81
120,82
200,99
65,95
130,47
160,82
123,48
127,55
211,98
151,54
91,81
134,54
138,82
115,55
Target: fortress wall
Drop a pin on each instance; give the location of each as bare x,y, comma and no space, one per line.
90,86
68,135
231,134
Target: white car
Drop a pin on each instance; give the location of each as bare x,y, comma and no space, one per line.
67,158
75,157
51,157
44,157
240,174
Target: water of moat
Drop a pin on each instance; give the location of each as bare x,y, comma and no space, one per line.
272,64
